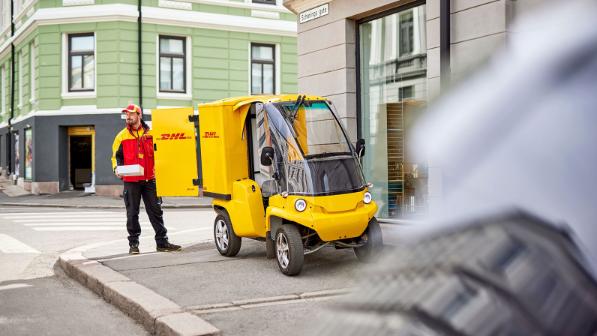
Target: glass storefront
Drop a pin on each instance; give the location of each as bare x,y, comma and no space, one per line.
28,154
393,93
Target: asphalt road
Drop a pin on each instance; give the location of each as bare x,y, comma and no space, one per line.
244,295
37,298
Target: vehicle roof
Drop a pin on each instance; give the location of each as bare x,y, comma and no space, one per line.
243,100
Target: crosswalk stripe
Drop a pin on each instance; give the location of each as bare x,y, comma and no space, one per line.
59,220
14,286
87,228
9,244
82,224
63,213
63,216
80,228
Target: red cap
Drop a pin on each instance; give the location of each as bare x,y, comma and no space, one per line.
132,108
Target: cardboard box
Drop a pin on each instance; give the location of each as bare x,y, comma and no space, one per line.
130,170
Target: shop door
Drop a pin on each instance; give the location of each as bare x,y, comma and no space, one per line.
82,158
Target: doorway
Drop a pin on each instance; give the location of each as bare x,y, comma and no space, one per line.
81,154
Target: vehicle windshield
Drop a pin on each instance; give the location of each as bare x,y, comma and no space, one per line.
315,129
312,153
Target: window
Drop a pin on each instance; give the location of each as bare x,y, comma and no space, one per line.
20,77
393,93
266,2
406,33
262,69
3,90
81,62
405,92
172,64
4,14
32,71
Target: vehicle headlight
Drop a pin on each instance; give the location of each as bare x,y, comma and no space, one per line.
300,205
367,197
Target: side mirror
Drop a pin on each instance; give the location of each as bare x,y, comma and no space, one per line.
360,147
267,156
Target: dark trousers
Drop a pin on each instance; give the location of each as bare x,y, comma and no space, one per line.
133,192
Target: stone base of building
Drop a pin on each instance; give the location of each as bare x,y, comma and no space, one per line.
43,188
114,190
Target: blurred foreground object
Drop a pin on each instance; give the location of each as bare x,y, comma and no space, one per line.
512,249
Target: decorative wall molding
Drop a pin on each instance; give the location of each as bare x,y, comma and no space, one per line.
67,3
265,14
175,4
156,15
246,5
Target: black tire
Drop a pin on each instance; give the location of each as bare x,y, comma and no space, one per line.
227,242
270,247
289,249
373,242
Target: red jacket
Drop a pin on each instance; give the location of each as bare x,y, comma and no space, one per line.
134,147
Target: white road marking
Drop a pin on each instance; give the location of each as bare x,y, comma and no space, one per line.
91,219
14,286
75,221
61,213
120,224
82,214
9,244
89,228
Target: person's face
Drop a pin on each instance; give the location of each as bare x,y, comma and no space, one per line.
132,118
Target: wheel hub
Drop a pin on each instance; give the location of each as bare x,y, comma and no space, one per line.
221,235
282,251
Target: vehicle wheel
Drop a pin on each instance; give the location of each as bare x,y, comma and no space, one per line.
270,247
227,242
373,242
289,249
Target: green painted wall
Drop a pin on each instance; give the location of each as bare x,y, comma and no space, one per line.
22,54
220,64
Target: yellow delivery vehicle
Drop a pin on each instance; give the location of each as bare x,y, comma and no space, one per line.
280,169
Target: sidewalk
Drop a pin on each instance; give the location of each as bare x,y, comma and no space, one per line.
12,195
199,292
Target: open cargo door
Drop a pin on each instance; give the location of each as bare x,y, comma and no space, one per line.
177,169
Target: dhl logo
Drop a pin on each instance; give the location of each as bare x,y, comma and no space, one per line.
210,135
174,136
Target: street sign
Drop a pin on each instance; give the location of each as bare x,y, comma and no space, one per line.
314,13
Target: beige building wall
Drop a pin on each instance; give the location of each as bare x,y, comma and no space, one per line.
327,63
327,47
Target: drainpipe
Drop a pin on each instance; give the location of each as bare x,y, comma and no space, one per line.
444,43
12,85
140,52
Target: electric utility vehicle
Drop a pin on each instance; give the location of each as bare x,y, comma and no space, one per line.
280,169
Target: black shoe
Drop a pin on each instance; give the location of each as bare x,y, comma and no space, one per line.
134,249
167,247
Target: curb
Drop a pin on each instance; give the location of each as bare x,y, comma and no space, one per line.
159,315
54,205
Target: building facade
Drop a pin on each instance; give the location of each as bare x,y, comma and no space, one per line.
68,67
381,62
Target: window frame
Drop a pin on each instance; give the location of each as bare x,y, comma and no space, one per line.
407,29
373,17
70,53
172,56
262,62
265,2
